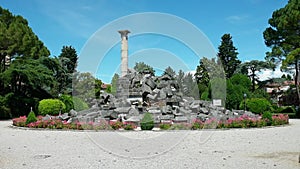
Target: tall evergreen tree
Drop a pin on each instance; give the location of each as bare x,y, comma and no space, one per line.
169,71
227,55
68,61
283,37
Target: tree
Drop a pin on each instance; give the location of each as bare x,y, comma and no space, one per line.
169,71
86,86
68,61
252,68
283,37
142,67
206,71
190,87
26,82
227,55
237,86
179,79
17,39
114,82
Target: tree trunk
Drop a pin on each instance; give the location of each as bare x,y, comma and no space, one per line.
296,81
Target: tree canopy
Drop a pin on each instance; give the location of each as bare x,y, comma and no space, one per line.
283,38
227,55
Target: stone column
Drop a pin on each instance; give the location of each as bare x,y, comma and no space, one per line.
124,52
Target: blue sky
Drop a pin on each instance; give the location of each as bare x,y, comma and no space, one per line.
76,22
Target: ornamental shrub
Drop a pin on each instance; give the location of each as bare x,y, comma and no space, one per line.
79,104
256,105
147,122
68,101
51,106
31,118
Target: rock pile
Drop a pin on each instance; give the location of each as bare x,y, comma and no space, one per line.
138,93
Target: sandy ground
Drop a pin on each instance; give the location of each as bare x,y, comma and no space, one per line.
272,147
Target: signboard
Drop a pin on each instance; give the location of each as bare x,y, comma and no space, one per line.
217,102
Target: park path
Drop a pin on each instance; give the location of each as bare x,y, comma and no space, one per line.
271,147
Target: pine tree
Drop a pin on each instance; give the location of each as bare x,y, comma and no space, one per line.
228,55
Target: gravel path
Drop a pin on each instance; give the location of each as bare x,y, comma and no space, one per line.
273,147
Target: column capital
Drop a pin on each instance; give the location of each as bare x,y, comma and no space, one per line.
124,33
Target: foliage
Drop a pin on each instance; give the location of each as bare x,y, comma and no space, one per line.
86,86
147,122
257,105
237,86
180,126
51,106
285,109
189,86
114,82
116,125
68,101
267,115
227,55
165,126
129,126
253,67
31,118
4,110
98,88
17,39
79,104
143,67
169,71
283,38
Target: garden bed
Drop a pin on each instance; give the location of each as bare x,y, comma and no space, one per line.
196,124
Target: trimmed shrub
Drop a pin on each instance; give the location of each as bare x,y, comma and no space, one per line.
257,105
147,122
68,101
51,106
31,118
79,104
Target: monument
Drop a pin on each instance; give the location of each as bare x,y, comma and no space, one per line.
124,51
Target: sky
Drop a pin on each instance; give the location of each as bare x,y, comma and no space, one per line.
174,33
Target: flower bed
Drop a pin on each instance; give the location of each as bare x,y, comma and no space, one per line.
241,122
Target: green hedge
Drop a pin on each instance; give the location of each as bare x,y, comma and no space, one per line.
257,105
51,106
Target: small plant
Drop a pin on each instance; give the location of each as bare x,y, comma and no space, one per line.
31,118
129,127
165,126
116,125
147,122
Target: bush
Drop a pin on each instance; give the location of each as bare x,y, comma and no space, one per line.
165,126
31,118
51,106
68,101
147,122
79,104
268,117
257,105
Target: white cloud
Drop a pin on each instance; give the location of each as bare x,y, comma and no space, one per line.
269,74
237,18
